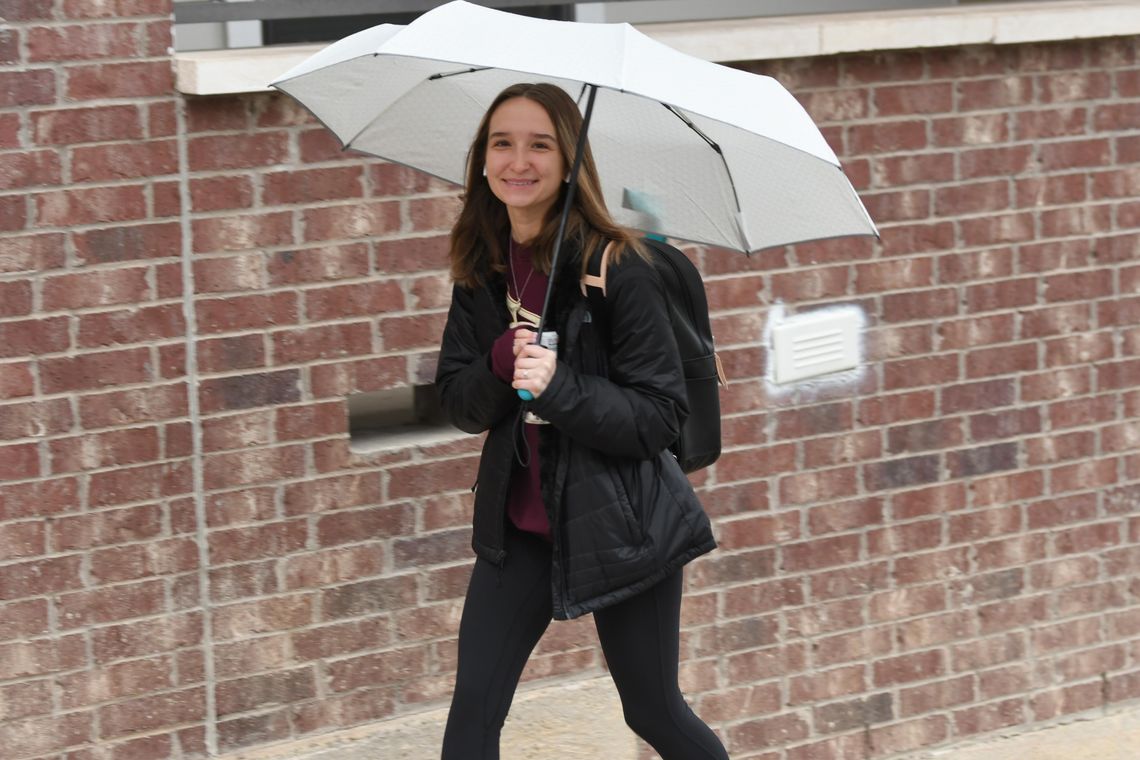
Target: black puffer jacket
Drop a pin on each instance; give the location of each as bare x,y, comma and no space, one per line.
622,514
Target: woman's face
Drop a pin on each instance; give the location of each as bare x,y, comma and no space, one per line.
524,161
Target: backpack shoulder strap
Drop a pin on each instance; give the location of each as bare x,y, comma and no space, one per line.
595,276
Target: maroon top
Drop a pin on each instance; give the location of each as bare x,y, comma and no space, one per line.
524,500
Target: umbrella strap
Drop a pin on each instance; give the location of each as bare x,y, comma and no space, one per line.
570,192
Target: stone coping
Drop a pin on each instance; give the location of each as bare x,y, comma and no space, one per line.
219,72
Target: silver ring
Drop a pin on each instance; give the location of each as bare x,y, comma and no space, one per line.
526,373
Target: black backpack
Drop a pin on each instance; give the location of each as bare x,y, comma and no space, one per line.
699,443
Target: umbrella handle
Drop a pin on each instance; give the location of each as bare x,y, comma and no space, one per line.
526,395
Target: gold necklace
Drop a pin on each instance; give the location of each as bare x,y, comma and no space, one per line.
514,305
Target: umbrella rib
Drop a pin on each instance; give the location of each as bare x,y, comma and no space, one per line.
470,70
728,172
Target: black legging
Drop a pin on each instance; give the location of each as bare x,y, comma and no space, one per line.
504,616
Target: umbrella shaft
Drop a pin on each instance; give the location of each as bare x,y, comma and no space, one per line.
570,191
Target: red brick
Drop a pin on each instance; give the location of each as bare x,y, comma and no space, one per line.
976,331
840,449
255,542
919,666
1075,154
972,198
404,333
15,298
97,370
934,500
888,137
831,106
137,79
924,436
131,326
82,125
996,162
991,717
91,205
248,391
156,402
253,466
27,87
1120,183
238,431
32,253
927,370
239,233
221,193
919,305
993,230
341,379
313,185
19,461
130,161
975,265
356,300
322,264
900,206
768,732
13,213
894,274
92,451
47,736
971,130
1002,294
232,353
33,336
96,288
907,239
10,130
421,254
222,152
1063,86
885,409
928,566
322,342
137,561
984,524
153,712
1057,383
145,483
16,380
30,169
1083,476
283,687
125,243
903,603
1001,360
1062,189
1055,320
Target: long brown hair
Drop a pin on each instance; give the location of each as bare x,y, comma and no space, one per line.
479,237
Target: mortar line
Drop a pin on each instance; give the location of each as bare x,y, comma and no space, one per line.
201,538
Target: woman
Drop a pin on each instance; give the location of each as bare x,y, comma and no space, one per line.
589,512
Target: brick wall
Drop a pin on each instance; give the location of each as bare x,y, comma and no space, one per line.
192,560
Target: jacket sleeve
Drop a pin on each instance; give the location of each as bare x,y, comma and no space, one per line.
638,410
473,399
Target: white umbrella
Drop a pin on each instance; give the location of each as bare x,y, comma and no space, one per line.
719,156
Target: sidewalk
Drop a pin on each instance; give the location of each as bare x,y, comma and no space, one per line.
583,721
1112,737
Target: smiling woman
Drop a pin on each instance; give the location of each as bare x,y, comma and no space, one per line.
589,512
525,169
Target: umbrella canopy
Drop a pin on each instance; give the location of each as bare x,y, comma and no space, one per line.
685,147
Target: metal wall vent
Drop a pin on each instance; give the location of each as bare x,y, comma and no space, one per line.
816,343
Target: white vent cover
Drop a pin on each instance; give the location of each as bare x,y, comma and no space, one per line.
816,343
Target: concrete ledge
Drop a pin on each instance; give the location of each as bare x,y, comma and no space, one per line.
216,72
581,720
